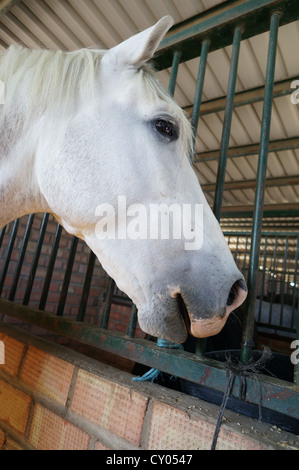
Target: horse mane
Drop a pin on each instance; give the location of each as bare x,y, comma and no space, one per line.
61,77
49,76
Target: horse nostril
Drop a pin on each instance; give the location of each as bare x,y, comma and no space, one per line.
235,292
232,295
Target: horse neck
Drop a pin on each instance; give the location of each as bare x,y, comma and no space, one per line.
19,194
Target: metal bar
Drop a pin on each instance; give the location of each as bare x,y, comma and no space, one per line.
285,329
217,25
108,302
86,287
263,280
67,276
273,281
174,72
248,150
133,322
264,233
295,282
21,257
34,265
281,396
296,365
243,98
227,123
236,249
282,283
247,344
8,253
50,268
270,210
2,234
245,256
199,89
250,184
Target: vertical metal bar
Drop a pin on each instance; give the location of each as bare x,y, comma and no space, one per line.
2,233
283,280
296,365
273,281
245,255
263,280
200,343
174,72
67,277
199,89
236,249
36,259
50,268
86,286
108,301
247,344
133,322
9,252
21,257
227,122
295,282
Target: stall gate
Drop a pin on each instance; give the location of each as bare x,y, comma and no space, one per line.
43,269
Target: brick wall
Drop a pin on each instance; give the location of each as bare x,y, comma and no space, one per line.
54,398
119,317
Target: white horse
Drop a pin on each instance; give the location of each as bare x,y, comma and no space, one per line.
86,128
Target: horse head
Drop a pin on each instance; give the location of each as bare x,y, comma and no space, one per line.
114,168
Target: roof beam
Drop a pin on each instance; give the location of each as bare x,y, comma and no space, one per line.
246,150
250,184
6,5
253,95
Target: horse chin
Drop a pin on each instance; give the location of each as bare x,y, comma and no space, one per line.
163,320
172,320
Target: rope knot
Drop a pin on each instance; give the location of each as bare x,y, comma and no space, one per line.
242,370
247,369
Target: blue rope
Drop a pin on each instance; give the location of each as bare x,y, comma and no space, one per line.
152,374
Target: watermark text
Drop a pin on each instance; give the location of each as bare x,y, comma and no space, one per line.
294,99
295,354
154,222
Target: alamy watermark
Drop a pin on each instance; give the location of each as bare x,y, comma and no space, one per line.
156,221
294,99
2,353
295,354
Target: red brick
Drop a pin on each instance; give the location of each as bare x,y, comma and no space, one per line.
100,446
10,444
175,429
14,407
51,432
112,406
47,374
13,354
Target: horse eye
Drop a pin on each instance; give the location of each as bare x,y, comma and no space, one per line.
165,128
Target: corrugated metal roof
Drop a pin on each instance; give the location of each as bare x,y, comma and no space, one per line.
72,24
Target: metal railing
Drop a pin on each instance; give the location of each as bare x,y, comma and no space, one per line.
277,286
229,25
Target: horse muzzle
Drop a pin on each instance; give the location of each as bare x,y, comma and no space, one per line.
176,310
212,323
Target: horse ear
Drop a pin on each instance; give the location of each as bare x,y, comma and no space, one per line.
138,49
